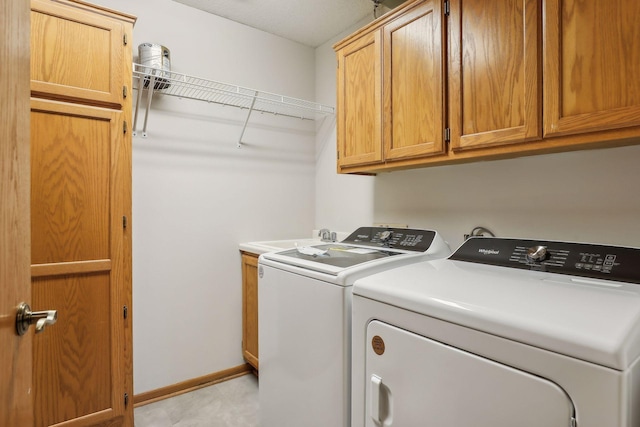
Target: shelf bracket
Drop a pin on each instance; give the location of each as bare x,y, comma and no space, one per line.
149,89
246,120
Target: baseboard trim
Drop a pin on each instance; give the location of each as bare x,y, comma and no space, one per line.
190,385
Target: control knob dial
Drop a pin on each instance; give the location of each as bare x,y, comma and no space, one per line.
385,235
537,253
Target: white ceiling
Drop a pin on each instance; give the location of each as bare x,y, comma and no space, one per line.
310,22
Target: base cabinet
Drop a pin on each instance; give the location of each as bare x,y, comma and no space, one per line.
465,81
250,308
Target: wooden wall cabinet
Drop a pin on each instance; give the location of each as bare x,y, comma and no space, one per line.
494,74
250,308
591,66
390,98
517,82
81,213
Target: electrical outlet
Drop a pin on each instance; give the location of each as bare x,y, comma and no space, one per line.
390,225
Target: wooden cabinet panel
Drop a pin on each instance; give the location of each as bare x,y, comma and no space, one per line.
494,78
250,309
592,62
414,83
360,102
76,355
76,55
70,181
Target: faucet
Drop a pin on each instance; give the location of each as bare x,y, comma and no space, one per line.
327,235
479,231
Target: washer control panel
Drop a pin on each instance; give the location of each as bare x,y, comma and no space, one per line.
394,238
577,259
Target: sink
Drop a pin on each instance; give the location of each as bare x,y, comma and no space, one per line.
287,244
278,245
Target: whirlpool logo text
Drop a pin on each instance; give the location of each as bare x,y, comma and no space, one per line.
488,251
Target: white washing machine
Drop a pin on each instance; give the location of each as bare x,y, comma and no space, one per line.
504,332
304,320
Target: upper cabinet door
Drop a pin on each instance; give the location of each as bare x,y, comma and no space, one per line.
494,73
413,47
76,56
592,63
360,102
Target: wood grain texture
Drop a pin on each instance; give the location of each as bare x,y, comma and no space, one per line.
592,62
495,78
81,186
250,309
75,55
16,406
413,83
74,356
360,101
70,182
122,206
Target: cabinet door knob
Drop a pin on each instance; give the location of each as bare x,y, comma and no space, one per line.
25,318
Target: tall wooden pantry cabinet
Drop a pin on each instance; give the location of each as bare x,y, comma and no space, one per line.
81,81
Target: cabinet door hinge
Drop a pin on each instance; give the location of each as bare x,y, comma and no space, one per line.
447,7
124,127
124,91
126,400
125,312
447,134
125,39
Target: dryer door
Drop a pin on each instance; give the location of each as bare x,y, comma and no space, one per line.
413,381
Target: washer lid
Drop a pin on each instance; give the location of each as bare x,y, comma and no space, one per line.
363,247
590,319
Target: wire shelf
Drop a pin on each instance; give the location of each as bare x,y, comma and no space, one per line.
167,83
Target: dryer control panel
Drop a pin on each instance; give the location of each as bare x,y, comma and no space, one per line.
577,259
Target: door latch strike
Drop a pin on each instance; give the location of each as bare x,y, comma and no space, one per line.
125,311
126,400
124,221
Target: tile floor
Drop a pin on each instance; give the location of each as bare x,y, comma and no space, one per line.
232,403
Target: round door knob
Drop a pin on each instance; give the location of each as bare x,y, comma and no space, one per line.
537,253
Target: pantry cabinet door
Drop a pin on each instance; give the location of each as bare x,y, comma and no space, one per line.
494,73
413,83
80,264
16,406
359,102
592,61
76,55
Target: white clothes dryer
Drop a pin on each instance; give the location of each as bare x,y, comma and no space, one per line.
504,332
304,320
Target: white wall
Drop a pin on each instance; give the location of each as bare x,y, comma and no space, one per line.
196,196
343,202
591,196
